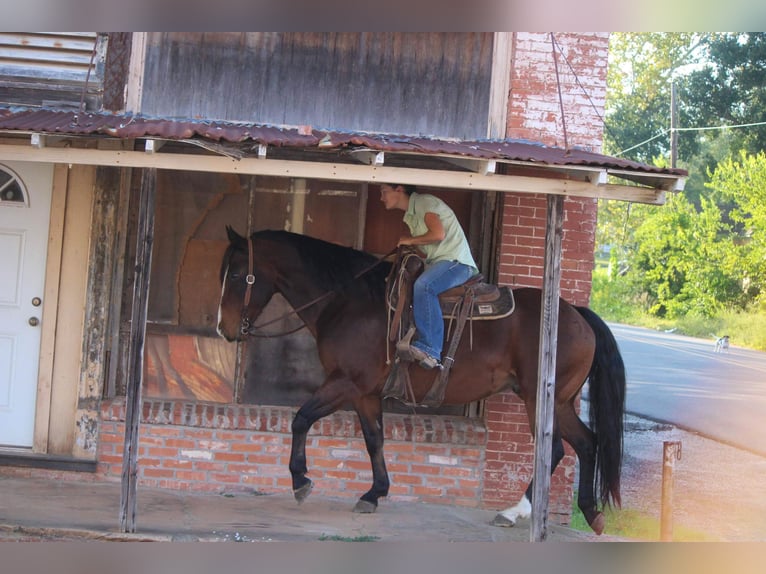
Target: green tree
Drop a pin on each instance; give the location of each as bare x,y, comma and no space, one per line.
729,88
743,183
684,262
706,248
641,69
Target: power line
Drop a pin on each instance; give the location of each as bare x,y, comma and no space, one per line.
720,127
667,131
659,135
579,83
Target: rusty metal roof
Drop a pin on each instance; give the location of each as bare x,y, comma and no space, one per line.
123,126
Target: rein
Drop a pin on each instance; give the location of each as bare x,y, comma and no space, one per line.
247,329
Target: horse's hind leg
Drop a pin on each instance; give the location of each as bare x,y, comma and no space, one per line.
370,411
583,442
523,508
336,390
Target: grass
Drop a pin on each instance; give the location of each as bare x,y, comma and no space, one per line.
336,538
635,525
616,301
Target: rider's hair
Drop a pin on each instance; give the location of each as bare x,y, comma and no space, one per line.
408,189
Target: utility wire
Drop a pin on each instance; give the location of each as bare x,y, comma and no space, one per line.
706,128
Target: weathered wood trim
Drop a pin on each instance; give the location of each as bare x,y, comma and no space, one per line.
135,375
48,462
337,172
96,320
72,296
50,308
499,85
546,381
135,87
118,278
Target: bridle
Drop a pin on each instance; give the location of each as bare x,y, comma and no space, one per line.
246,328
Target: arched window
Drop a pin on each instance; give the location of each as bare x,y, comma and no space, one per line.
12,191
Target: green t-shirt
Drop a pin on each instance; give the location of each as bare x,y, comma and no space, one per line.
454,246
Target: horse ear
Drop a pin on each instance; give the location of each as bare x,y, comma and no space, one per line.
234,237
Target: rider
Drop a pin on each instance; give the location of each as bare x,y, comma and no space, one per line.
435,230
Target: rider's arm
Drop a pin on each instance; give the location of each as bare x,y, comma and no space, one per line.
434,234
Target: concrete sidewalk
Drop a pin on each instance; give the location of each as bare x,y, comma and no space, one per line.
42,509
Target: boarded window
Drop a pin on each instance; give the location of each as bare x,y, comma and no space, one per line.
401,83
58,69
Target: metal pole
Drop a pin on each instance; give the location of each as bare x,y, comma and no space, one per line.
671,451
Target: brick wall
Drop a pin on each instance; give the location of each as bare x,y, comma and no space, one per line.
522,253
227,448
534,113
213,447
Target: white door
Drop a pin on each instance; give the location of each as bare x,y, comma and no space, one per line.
25,201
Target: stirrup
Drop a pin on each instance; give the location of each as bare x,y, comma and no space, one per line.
422,358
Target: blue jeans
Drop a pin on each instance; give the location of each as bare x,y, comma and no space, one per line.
437,278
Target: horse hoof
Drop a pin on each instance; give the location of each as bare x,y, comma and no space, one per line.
598,523
503,521
365,507
301,493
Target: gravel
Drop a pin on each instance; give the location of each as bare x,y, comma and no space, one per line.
718,489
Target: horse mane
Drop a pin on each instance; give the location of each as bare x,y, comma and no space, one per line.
334,267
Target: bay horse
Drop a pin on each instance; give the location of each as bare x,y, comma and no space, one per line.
339,293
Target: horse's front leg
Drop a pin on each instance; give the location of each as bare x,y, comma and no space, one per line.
370,411
334,392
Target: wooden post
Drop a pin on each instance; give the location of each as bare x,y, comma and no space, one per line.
671,450
135,371
546,379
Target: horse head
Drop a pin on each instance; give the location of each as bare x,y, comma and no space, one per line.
247,285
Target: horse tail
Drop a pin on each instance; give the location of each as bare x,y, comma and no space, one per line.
607,407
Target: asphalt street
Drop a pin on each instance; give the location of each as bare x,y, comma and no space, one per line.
682,381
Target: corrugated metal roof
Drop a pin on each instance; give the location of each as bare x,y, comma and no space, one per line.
135,126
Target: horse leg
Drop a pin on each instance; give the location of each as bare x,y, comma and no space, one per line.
583,441
523,508
334,392
370,411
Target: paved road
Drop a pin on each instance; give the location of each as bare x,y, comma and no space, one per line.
680,380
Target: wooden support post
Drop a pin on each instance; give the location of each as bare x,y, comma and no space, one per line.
671,450
135,371
546,379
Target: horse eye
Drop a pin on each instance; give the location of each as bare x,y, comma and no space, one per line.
234,276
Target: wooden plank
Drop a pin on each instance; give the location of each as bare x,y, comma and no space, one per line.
336,172
69,356
135,87
546,383
50,309
499,84
144,240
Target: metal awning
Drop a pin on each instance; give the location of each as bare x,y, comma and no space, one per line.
302,151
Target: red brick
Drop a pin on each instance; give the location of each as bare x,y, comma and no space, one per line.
229,457
221,477
157,472
163,452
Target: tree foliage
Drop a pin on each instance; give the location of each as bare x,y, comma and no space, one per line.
706,248
639,77
729,89
743,183
684,261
